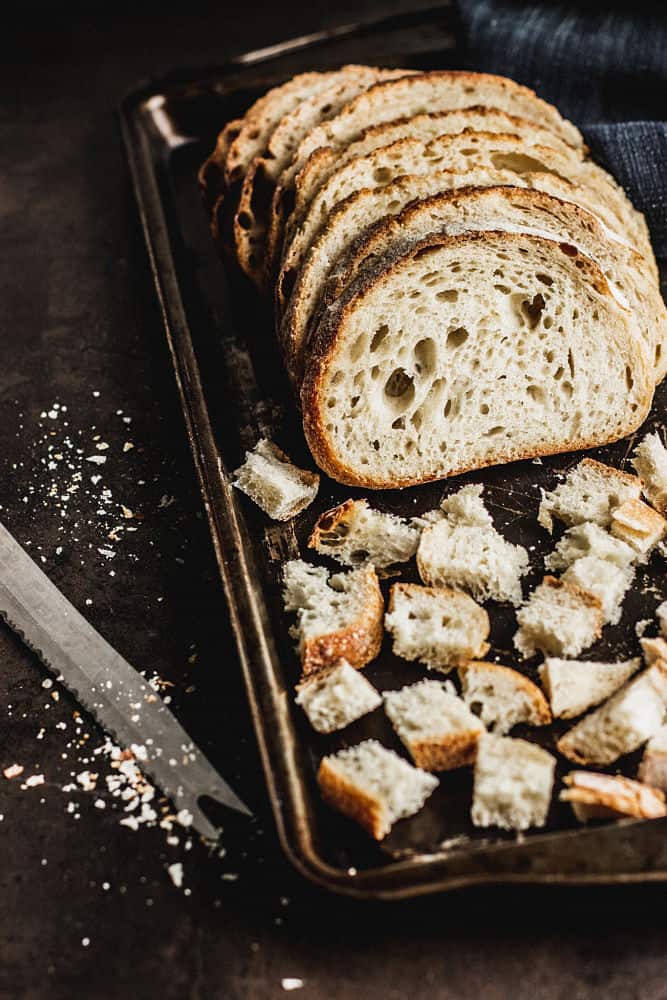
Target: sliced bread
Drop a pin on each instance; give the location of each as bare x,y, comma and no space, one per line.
590,492
513,783
639,526
558,618
606,580
630,717
589,539
334,698
338,617
457,355
502,697
373,786
650,462
573,686
436,626
653,766
605,796
436,727
354,533
211,175
274,483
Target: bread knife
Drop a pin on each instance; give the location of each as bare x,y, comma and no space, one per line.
107,686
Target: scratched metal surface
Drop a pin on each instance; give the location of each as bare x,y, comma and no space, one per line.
245,395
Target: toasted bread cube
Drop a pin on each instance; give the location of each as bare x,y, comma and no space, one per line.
434,724
274,483
637,524
334,698
354,533
589,539
513,783
604,796
650,462
373,786
558,618
573,686
608,582
503,697
590,492
653,767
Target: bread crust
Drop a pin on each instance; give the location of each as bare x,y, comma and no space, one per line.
349,799
456,750
322,350
604,795
540,706
211,174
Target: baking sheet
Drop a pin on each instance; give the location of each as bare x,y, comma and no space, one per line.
233,390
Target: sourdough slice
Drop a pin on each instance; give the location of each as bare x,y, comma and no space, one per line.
436,626
573,686
590,492
558,618
608,582
373,786
334,698
211,175
589,539
338,617
502,697
274,483
457,355
650,462
463,553
436,727
354,533
603,796
639,526
622,724
653,766
513,783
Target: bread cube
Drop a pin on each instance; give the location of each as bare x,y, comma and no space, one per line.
558,618
334,698
274,483
573,686
513,783
502,697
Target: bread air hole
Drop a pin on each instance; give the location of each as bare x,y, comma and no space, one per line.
245,220
457,337
449,295
629,380
494,431
400,386
382,175
424,352
537,393
532,309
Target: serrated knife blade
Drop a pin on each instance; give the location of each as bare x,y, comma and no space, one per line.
107,686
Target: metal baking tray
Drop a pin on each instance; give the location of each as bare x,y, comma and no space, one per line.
232,389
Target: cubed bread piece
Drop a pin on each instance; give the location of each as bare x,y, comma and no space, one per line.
589,539
650,462
373,786
637,524
605,796
334,698
463,549
607,581
513,783
354,533
502,697
338,617
434,724
437,626
653,767
276,485
576,685
653,649
558,618
463,507
590,492
630,717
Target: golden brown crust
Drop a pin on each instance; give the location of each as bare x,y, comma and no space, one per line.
349,799
446,753
600,795
331,520
541,710
471,607
634,521
359,643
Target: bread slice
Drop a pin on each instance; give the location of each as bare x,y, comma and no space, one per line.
463,553
434,724
630,717
589,539
211,175
591,492
502,697
334,698
653,766
338,617
373,786
639,526
653,649
603,796
354,533
573,686
650,462
274,483
513,783
436,626
558,618
607,581
457,355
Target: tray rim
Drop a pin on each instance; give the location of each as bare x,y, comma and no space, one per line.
381,882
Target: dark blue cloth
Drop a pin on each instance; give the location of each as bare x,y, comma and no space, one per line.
604,69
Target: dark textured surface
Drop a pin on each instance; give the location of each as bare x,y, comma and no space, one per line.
79,319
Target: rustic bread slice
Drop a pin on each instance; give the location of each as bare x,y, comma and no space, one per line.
589,539
354,533
630,717
573,686
513,783
605,796
590,492
403,379
373,786
436,727
653,766
502,697
463,553
334,698
607,581
338,617
558,618
436,626
275,484
639,526
650,462
211,175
